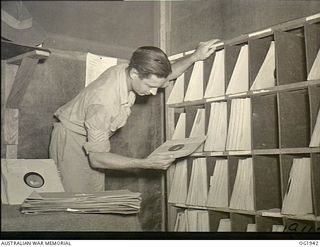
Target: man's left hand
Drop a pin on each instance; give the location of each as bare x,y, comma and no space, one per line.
205,49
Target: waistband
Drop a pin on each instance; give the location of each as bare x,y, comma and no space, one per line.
72,126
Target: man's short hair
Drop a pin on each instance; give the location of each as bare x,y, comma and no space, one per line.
150,60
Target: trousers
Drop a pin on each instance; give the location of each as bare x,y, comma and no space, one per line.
66,149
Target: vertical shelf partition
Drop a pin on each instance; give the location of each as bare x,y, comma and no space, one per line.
294,119
267,182
283,114
265,129
290,58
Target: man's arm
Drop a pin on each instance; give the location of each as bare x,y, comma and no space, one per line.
203,51
107,160
97,124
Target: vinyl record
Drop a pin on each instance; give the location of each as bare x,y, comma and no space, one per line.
178,148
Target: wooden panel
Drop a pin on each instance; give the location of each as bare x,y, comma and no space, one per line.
136,131
8,73
66,224
138,139
297,30
233,166
9,49
211,163
11,125
148,183
207,65
231,56
315,173
207,107
21,82
258,49
35,126
265,122
187,76
40,55
267,182
2,108
191,112
11,151
294,119
264,224
314,97
52,85
189,172
290,58
214,219
312,39
229,103
239,222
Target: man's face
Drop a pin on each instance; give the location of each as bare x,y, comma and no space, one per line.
147,86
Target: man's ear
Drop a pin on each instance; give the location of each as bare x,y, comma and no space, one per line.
134,74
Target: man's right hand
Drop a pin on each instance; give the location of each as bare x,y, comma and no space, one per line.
158,162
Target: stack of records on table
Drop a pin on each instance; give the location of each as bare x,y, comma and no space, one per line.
113,201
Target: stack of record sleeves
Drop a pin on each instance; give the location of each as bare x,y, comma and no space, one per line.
105,202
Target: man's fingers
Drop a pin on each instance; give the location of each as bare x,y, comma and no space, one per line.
214,43
166,166
165,156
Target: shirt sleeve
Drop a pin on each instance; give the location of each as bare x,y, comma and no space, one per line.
97,124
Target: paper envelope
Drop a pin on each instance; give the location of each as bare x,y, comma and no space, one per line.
20,177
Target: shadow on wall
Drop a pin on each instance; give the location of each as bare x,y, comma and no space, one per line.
138,138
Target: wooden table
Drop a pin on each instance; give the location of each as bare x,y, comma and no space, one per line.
13,220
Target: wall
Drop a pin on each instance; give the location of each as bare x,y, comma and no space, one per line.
192,22
245,16
103,27
195,21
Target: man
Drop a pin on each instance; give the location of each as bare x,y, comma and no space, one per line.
80,140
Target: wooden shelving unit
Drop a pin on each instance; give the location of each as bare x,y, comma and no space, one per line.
282,120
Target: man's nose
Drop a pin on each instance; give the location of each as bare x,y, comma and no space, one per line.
153,91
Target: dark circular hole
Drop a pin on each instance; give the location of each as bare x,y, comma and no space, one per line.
33,180
176,147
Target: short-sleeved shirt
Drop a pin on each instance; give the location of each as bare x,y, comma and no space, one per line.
99,109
